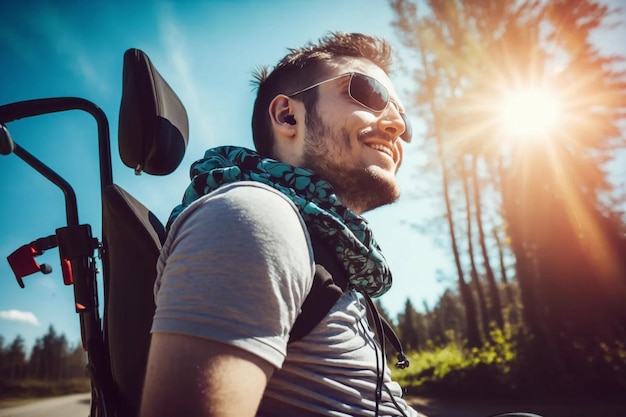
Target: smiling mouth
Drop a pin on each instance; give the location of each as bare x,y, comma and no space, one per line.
382,148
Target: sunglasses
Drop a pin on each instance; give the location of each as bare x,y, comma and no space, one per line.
369,93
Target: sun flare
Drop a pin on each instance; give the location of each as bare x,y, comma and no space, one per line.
530,113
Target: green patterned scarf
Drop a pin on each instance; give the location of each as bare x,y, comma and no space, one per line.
345,231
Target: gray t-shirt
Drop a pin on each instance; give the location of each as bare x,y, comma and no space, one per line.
236,268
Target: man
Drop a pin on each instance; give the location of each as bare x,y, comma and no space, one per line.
239,261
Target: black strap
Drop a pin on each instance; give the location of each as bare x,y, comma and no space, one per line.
329,283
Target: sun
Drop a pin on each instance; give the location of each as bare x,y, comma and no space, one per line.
529,113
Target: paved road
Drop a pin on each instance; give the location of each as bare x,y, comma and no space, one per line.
572,408
76,405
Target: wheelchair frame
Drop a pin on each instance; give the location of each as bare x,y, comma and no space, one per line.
153,133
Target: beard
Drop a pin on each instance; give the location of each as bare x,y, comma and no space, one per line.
327,154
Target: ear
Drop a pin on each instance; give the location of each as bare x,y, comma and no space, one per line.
281,111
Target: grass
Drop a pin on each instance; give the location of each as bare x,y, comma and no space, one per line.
453,369
502,368
12,392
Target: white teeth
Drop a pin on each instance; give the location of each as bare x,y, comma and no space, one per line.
381,148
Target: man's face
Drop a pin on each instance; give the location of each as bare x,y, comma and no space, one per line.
354,148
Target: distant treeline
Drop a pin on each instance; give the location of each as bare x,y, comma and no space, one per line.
51,359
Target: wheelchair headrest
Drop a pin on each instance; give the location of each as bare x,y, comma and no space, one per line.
153,126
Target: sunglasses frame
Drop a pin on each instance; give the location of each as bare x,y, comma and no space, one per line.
405,136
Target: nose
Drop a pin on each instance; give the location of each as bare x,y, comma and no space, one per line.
392,122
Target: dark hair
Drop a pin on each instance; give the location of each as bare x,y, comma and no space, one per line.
303,67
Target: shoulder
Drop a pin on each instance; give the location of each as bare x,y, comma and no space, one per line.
251,205
240,255
246,218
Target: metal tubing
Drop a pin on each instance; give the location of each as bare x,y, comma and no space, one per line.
71,208
85,288
29,108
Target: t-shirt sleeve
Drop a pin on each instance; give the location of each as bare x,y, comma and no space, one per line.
236,268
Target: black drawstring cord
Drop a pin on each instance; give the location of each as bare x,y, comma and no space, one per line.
403,361
378,327
393,400
382,329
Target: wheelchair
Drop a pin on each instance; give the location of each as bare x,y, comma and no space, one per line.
153,133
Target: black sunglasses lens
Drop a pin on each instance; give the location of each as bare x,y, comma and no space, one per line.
372,94
408,129
369,92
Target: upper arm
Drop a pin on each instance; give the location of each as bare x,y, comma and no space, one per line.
191,376
240,255
232,278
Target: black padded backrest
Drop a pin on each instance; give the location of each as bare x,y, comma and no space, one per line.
153,132
133,239
153,126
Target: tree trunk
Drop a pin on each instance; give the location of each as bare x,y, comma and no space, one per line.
495,307
473,333
482,304
510,297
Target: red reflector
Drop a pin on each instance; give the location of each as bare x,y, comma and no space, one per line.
23,262
66,268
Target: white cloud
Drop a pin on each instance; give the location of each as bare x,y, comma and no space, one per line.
21,316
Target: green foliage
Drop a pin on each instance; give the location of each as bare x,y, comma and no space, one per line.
31,388
454,370
511,365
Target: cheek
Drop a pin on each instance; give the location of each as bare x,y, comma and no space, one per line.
400,156
345,138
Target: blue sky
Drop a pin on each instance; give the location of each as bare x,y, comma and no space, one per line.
207,52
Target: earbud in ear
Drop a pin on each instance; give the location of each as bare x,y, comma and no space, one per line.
290,119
